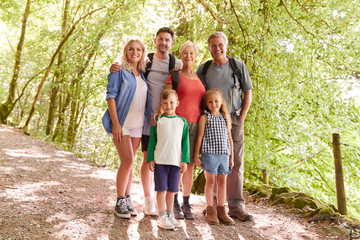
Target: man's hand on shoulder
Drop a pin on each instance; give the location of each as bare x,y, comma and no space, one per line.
115,67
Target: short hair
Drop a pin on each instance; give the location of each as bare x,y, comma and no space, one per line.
124,58
217,35
189,44
166,30
165,94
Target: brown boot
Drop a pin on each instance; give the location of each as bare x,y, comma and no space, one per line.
211,215
223,216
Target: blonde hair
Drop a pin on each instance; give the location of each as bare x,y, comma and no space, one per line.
165,94
223,107
217,35
189,44
124,58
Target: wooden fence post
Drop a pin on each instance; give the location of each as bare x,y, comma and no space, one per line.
339,174
265,177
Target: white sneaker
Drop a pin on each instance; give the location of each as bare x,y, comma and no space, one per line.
173,221
149,207
163,222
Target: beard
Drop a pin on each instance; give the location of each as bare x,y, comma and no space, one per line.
163,49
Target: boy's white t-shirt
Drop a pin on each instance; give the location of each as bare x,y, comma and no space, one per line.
169,141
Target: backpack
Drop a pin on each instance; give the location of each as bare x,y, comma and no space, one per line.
175,78
236,72
151,56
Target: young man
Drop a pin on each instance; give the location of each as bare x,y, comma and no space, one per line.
220,75
156,77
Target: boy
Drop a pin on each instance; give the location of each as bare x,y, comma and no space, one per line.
168,154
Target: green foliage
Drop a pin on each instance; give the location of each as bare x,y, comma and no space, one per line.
303,58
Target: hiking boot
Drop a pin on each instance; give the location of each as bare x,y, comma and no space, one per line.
223,216
164,223
121,209
241,215
178,213
214,204
130,206
211,215
149,207
186,208
173,221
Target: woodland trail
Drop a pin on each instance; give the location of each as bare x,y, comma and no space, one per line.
48,193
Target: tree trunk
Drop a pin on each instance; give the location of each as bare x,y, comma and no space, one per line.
57,75
8,106
51,63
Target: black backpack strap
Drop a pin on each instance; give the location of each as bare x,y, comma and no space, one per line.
171,62
236,72
206,67
175,78
202,76
148,64
203,80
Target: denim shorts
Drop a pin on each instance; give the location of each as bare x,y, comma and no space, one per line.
215,163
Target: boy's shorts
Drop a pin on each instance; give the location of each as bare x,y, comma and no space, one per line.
166,178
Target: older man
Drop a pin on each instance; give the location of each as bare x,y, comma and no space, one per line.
219,74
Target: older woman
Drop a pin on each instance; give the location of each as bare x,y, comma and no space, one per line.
127,115
190,91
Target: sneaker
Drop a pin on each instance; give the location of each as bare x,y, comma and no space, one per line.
186,208
149,207
178,213
121,209
164,223
130,206
173,221
241,215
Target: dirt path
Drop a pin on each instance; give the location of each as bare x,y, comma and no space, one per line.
47,193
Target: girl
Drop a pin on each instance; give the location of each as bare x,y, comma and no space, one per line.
214,139
128,109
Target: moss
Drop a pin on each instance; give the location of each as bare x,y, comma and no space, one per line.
279,201
280,190
254,189
323,214
289,201
328,211
333,207
302,195
304,202
299,203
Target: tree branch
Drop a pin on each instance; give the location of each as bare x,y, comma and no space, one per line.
297,21
212,13
243,30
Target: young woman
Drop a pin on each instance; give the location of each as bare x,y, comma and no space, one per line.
127,114
214,140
